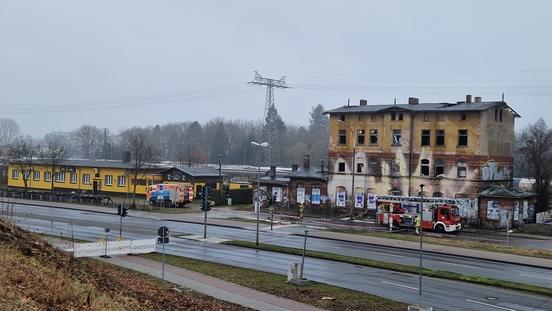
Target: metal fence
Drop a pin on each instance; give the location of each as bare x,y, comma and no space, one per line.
94,249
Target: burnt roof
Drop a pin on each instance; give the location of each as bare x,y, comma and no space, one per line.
423,107
499,191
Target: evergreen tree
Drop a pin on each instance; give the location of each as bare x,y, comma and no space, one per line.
274,132
219,143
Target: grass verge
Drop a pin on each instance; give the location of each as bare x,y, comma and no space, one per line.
397,267
275,284
530,252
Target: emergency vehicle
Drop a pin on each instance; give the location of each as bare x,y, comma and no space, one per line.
402,212
173,194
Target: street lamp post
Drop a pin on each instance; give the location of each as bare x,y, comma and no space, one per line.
258,209
220,172
353,168
421,230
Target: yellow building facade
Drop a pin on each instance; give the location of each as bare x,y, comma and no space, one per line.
454,149
83,175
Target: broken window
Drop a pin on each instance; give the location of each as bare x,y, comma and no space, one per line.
396,137
341,167
496,114
342,137
393,116
462,137
500,116
360,137
462,169
440,137
424,170
360,167
463,116
400,116
373,137
342,117
374,167
439,167
426,137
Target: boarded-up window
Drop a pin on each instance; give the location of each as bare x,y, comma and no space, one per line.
395,167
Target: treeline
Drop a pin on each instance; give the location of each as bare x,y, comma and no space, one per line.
190,141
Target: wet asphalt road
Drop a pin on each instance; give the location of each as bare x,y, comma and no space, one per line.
446,295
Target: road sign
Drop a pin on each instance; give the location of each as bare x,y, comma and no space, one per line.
163,231
164,240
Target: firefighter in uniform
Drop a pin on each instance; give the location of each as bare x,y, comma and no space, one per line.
418,225
301,208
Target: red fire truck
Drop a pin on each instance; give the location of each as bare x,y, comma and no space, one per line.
402,212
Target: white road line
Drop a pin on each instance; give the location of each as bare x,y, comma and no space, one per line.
536,276
383,254
400,285
459,264
490,305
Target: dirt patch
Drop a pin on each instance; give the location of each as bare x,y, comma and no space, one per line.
36,276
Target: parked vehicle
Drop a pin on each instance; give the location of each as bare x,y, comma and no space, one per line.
170,194
403,213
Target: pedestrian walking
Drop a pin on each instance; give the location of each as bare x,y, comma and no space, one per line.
418,224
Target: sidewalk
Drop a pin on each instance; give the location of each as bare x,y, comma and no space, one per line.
442,249
211,286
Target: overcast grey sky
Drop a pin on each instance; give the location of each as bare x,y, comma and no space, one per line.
118,64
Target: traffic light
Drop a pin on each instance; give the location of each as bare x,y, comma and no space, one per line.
201,192
203,206
119,210
124,211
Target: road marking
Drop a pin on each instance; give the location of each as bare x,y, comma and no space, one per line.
383,254
459,264
400,285
489,305
536,276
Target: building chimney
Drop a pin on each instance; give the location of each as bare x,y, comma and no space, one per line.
306,161
413,101
126,156
468,99
272,172
477,99
363,102
294,167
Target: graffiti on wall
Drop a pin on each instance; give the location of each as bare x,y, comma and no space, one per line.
491,171
493,210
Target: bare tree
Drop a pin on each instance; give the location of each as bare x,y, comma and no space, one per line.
8,131
54,153
88,138
23,152
536,147
143,152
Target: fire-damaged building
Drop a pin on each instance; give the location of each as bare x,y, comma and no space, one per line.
455,149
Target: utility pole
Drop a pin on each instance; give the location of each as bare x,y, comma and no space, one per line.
269,101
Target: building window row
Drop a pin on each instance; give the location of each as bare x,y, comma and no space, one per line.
440,137
439,168
396,137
